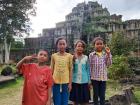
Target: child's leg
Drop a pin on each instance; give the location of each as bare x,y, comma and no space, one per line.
56,94
74,103
95,91
102,89
65,94
85,104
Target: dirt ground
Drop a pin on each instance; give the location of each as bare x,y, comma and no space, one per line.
11,94
12,98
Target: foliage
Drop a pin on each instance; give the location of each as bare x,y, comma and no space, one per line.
14,16
133,61
137,95
92,28
17,44
120,68
6,71
133,44
120,45
12,66
99,18
14,21
88,49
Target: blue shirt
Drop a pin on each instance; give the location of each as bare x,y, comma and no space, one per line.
81,70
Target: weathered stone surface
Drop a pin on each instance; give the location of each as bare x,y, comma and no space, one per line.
91,103
4,79
124,98
134,80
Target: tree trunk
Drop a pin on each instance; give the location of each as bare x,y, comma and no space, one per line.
1,54
7,50
88,36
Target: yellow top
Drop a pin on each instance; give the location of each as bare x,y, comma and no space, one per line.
99,54
61,65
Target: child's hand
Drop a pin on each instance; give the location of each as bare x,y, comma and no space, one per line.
74,57
69,87
48,102
89,86
107,49
30,57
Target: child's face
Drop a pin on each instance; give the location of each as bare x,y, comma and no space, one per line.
42,56
62,45
79,47
99,45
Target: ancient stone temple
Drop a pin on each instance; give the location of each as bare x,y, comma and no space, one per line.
91,14
85,21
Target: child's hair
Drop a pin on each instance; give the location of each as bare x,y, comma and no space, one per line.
81,41
43,50
97,38
83,44
60,38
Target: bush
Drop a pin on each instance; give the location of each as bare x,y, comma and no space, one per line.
120,68
12,67
88,49
6,71
133,61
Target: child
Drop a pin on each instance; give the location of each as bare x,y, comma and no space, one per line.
81,78
99,61
38,80
61,64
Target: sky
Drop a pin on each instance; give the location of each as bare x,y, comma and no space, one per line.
49,12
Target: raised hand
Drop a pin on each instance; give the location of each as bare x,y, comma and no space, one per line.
26,58
30,57
107,49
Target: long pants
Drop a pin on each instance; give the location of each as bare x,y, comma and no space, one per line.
99,88
60,94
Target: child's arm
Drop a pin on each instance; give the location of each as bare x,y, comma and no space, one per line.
90,64
88,70
49,96
108,56
22,61
70,73
50,84
52,63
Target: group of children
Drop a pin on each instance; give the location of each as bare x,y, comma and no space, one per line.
69,77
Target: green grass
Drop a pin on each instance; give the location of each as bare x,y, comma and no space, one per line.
11,92
137,94
113,87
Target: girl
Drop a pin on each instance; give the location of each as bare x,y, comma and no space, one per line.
38,80
99,61
61,64
81,77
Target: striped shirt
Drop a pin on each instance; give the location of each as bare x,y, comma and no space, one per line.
98,65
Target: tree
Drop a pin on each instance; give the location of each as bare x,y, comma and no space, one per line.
93,27
87,30
120,44
120,68
14,21
17,45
